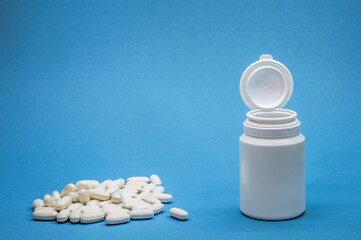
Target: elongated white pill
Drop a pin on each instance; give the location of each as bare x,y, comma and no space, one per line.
75,216
74,206
141,205
142,184
150,187
82,185
112,189
141,214
62,203
91,183
89,207
38,203
74,197
68,188
105,183
163,197
159,189
151,200
138,179
84,196
178,213
100,187
43,208
156,208
98,194
104,203
155,179
45,215
131,187
128,194
56,195
93,202
117,197
112,209
92,216
49,201
117,218
119,182
144,194
63,215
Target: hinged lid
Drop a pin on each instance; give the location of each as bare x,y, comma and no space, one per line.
266,84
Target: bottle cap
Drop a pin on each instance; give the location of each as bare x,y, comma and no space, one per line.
266,84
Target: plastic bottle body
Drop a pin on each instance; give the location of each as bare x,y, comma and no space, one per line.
272,177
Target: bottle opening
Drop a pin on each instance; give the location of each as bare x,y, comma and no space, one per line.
275,116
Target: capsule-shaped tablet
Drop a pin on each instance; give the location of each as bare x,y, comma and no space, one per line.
62,203
163,197
105,183
90,207
141,184
156,208
112,189
91,183
74,197
84,196
144,194
63,215
119,183
151,200
100,187
82,185
68,188
56,195
104,203
135,187
74,206
98,194
117,197
93,202
49,201
138,179
141,214
117,218
159,189
45,215
141,205
38,203
92,216
111,209
155,179
128,194
43,208
129,190
75,216
178,213
149,187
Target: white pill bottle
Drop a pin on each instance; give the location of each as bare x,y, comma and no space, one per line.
272,149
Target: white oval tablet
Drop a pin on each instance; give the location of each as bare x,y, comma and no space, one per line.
63,215
45,215
75,216
141,214
178,213
117,218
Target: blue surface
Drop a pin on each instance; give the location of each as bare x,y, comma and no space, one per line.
98,90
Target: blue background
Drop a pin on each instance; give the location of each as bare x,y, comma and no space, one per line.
109,89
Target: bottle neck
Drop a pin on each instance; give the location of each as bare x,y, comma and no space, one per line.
278,123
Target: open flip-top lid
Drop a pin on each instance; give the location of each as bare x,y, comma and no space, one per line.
266,84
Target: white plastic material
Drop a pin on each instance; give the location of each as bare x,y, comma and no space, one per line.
272,149
266,84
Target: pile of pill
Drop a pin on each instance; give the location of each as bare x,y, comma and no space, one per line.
116,201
